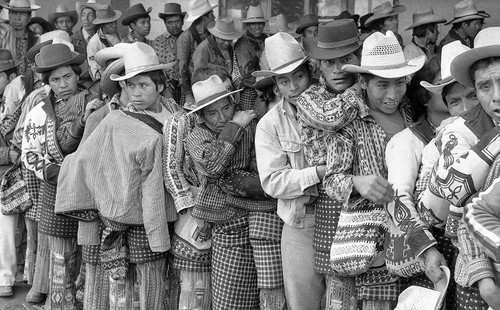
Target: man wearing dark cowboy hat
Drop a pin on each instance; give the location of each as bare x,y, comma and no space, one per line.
63,19
165,44
139,21
19,17
87,11
308,26
466,24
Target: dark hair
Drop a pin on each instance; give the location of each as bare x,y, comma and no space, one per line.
46,74
481,63
8,72
456,26
445,91
418,95
204,73
304,65
158,77
421,31
135,20
199,19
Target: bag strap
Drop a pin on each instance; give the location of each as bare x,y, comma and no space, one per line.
148,120
423,130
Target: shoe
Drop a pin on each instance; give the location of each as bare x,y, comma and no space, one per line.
34,296
6,291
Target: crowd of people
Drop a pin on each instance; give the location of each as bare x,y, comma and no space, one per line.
324,166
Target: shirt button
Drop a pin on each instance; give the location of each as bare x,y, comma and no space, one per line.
298,221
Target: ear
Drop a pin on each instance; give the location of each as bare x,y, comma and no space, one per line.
276,90
161,88
122,84
362,82
12,76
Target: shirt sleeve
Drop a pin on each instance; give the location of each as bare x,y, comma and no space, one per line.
184,44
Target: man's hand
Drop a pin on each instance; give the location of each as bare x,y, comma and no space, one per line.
194,190
91,107
434,259
374,188
14,156
490,292
244,117
321,171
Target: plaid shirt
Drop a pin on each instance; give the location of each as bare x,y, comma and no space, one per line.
165,46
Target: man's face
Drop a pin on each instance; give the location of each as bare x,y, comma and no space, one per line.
36,28
87,16
141,26
63,82
460,98
333,74
391,23
218,114
311,31
19,20
291,85
487,83
384,95
109,28
64,23
473,28
143,92
256,29
174,25
4,80
433,34
222,43
209,18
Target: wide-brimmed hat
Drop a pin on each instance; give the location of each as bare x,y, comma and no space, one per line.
363,19
19,5
42,22
383,11
421,298
383,56
89,4
105,14
198,8
277,24
448,53
116,51
347,15
109,87
56,55
425,16
171,9
62,10
7,61
207,92
48,38
140,58
466,10
335,39
261,83
224,28
254,15
486,45
284,54
136,11
307,21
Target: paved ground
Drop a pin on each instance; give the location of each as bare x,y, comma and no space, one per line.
18,301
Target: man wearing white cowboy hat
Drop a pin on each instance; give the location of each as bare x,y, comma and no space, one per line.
19,17
87,12
468,164
106,36
143,229
466,23
200,12
59,65
63,19
217,49
425,34
165,44
285,174
139,22
337,44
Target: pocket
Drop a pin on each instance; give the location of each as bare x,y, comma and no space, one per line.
293,151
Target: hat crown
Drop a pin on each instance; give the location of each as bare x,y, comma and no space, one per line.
199,5
448,53
225,26
278,23
465,8
21,4
61,8
382,52
255,12
51,35
422,14
487,37
282,50
204,91
139,56
136,9
338,33
384,8
172,8
105,12
53,54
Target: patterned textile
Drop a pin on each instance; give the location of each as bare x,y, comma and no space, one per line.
187,43
248,97
272,299
124,293
267,257
91,253
234,276
131,38
23,44
31,249
325,225
34,98
33,187
51,224
151,279
377,284
469,299
41,275
196,290
96,292
208,52
140,251
166,48
247,52
189,258
450,252
340,293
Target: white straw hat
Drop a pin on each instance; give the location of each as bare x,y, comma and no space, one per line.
448,53
254,15
382,56
284,54
139,58
198,8
224,28
208,91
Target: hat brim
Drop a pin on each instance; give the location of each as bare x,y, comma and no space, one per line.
168,14
47,27
14,65
206,104
397,10
109,87
460,66
117,16
32,52
224,36
315,52
436,88
6,5
128,19
78,59
412,66
302,27
192,18
431,20
72,14
116,77
465,18
253,20
263,82
110,53
285,70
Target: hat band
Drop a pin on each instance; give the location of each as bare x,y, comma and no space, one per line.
225,33
445,80
287,64
338,43
386,67
138,68
9,62
254,17
211,97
